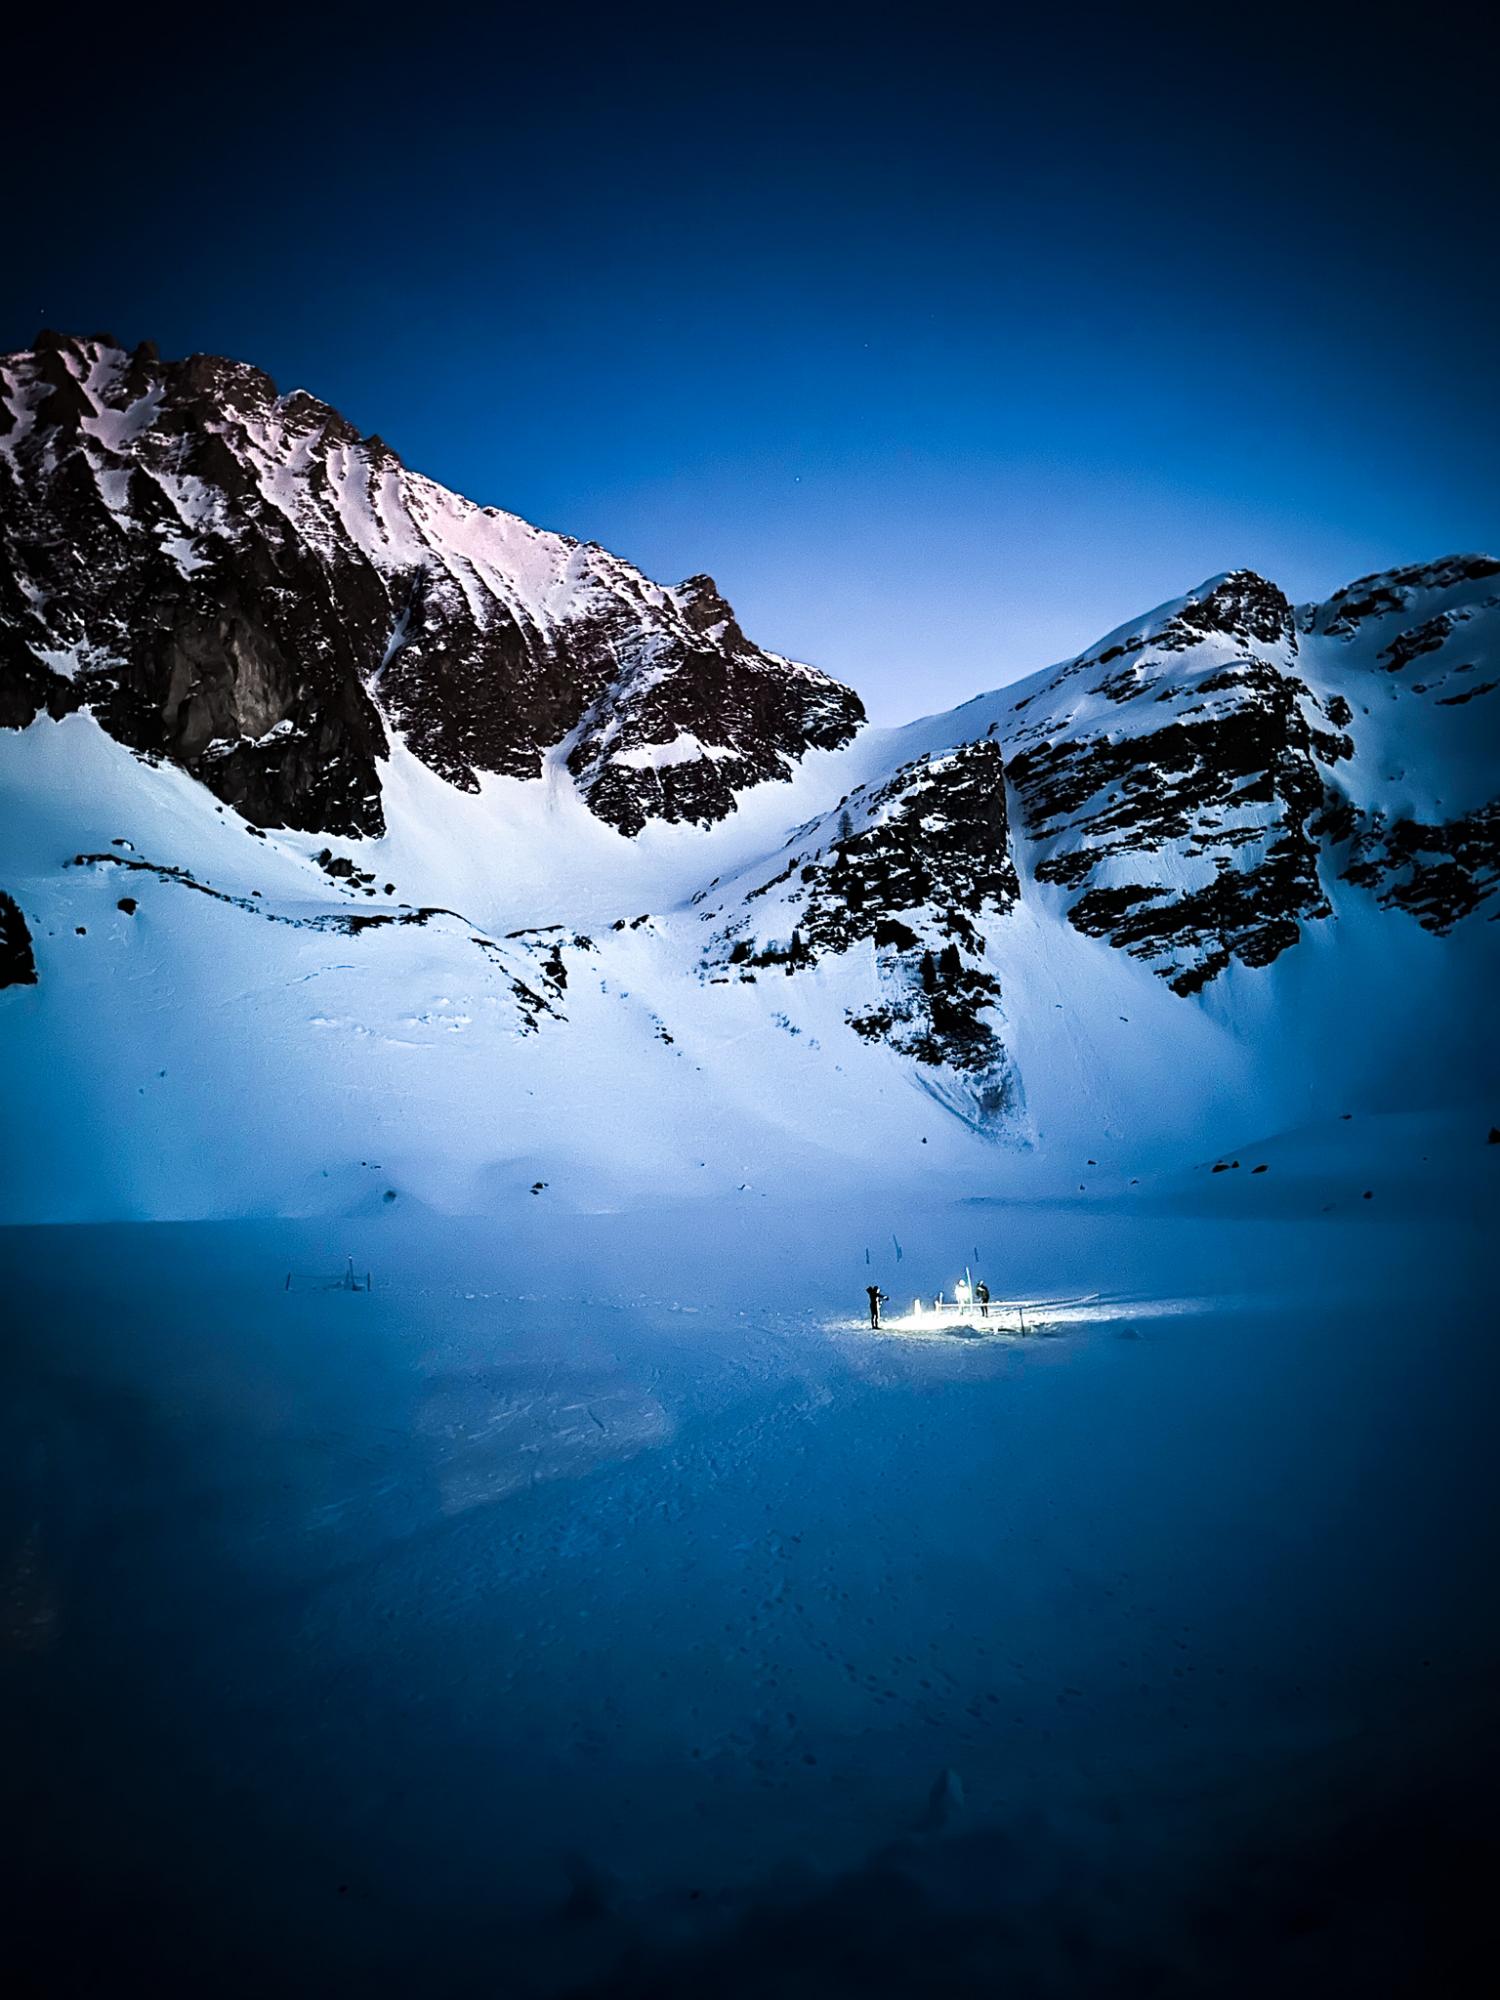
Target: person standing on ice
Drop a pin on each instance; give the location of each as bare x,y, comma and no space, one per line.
982,1293
877,1299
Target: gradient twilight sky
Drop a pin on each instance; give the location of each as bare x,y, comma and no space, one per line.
945,342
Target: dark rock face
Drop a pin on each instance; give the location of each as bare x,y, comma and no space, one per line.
1428,637
239,582
634,756
938,1021
912,868
1186,825
146,577
1380,596
17,959
1196,780
933,848
1437,874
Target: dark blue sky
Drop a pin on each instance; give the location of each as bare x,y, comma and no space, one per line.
943,345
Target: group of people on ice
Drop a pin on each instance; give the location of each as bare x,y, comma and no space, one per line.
964,1293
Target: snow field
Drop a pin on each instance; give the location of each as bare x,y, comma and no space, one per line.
611,1549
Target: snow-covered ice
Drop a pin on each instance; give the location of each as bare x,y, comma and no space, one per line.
596,1606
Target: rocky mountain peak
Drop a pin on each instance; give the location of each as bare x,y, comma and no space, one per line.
704,608
236,580
1240,605
1197,784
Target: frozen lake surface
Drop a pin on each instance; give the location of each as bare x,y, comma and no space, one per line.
595,1607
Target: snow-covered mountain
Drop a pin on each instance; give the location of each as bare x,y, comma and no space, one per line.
237,580
361,843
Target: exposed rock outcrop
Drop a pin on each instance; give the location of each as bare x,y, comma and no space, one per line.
17,958
911,870
1175,791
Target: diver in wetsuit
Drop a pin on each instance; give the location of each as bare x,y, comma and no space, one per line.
877,1299
982,1293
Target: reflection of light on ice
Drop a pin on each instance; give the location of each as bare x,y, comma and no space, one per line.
1013,1319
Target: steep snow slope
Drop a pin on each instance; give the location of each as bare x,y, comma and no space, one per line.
289,1040
501,989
